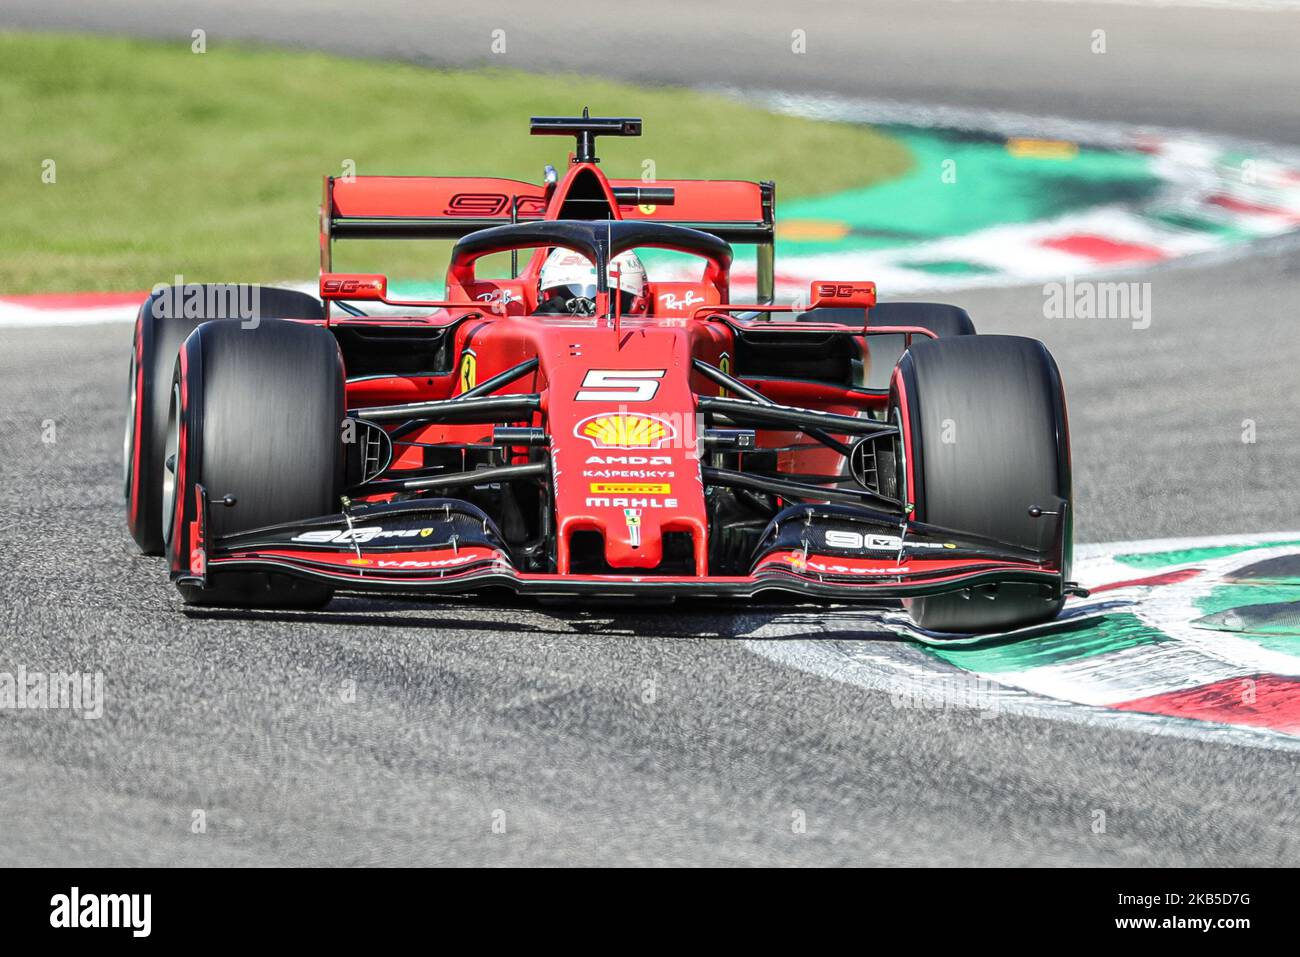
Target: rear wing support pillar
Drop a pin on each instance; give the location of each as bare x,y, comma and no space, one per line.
766,257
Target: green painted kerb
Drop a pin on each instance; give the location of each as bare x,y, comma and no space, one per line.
1098,637
960,183
1268,615
1185,556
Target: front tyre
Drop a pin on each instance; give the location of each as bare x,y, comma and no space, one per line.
988,440
255,419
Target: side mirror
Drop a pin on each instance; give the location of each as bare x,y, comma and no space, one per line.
823,294
360,286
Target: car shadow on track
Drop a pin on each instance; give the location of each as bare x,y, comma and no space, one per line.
510,615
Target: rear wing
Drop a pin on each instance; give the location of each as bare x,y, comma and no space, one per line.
449,207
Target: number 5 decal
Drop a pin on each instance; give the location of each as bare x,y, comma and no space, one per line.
620,385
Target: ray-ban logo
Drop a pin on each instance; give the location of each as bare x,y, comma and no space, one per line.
133,911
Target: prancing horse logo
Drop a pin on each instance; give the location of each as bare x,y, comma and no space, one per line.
633,518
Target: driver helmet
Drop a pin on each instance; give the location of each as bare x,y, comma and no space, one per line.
569,279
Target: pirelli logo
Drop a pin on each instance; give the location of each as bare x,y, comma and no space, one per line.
631,488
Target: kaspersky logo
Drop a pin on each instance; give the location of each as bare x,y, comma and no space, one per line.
625,430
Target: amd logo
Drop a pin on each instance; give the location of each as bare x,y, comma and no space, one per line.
629,460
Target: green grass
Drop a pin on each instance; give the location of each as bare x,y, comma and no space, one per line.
210,164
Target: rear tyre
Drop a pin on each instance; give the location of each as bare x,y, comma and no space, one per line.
943,320
255,419
160,328
988,440
884,351
940,318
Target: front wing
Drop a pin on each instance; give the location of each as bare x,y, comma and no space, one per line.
449,545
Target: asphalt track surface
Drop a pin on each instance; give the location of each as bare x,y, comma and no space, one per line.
467,713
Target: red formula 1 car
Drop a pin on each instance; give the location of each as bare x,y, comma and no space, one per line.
668,444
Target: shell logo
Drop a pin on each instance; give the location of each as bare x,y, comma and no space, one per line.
621,430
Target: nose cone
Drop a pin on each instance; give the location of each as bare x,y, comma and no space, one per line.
623,449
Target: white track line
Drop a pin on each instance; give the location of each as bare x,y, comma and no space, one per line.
882,668
1245,6
14,316
1172,609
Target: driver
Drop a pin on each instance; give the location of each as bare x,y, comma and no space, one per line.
568,284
